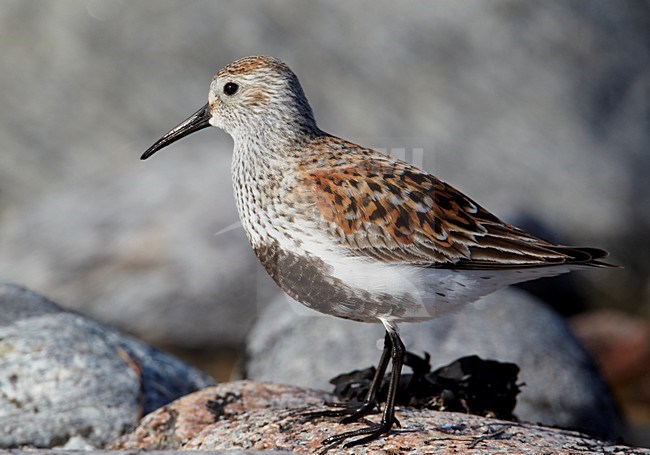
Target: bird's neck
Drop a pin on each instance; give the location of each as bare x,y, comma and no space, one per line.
256,178
269,149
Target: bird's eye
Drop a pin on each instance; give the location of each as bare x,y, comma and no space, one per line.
230,88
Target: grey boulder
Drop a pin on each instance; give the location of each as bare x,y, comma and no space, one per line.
64,377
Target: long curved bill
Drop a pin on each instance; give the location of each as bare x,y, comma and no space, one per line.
197,121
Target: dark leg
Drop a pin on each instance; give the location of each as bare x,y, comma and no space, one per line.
370,403
352,411
397,352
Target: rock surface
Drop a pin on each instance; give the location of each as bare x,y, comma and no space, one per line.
561,385
65,379
254,416
149,452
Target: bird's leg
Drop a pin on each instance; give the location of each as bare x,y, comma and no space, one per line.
354,412
388,417
370,402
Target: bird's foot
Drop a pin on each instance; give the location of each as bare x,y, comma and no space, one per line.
351,412
369,433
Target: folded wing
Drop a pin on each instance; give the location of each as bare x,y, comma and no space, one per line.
389,210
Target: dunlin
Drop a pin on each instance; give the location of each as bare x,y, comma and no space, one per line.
354,233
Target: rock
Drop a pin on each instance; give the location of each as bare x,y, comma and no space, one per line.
76,443
619,342
66,451
176,425
66,380
293,345
259,416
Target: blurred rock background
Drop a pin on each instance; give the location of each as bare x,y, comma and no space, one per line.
540,110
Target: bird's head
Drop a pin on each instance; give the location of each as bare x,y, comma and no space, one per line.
257,98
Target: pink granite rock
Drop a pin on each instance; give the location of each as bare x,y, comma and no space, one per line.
262,416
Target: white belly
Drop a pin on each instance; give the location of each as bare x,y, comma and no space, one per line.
322,274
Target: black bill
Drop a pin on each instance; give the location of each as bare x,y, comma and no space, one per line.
197,121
